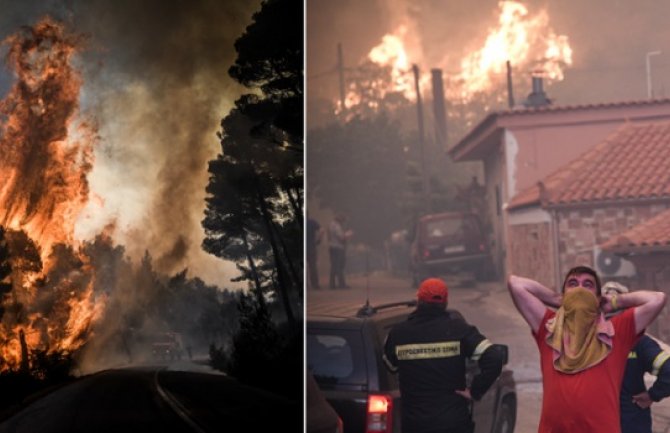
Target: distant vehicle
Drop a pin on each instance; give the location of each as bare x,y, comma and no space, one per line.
320,417
167,346
450,242
345,356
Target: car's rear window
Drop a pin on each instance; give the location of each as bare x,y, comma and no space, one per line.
443,227
335,357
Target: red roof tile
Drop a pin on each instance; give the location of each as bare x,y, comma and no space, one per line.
651,234
632,163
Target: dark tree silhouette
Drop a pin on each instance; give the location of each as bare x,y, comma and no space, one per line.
255,191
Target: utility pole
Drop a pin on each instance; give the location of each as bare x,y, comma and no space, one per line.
340,72
649,54
425,177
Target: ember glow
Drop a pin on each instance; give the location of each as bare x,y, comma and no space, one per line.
525,39
46,153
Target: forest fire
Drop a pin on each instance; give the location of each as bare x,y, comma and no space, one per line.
46,153
526,40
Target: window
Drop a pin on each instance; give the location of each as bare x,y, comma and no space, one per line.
335,357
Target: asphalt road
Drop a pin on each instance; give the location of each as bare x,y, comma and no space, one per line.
155,400
485,305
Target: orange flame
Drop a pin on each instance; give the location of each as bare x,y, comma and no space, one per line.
391,52
46,153
391,55
524,40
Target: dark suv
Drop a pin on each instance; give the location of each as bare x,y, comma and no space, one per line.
345,356
450,242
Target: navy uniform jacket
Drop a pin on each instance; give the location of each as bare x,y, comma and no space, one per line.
429,351
646,356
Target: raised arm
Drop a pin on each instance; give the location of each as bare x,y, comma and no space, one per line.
647,305
532,299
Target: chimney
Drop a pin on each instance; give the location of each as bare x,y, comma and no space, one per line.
510,90
537,98
438,109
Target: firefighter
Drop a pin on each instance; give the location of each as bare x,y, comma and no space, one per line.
646,357
428,351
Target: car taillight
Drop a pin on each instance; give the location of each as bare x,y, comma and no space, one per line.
380,412
340,426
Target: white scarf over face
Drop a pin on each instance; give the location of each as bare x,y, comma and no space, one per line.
579,334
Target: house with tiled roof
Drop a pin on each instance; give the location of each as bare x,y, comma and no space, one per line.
524,155
647,246
609,208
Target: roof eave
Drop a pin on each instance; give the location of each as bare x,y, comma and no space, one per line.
469,147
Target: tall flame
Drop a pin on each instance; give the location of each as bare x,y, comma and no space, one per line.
46,153
391,52
523,40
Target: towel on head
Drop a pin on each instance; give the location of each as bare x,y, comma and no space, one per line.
579,333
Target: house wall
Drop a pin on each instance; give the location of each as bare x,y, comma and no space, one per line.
579,230
531,253
542,150
495,196
531,244
661,326
654,274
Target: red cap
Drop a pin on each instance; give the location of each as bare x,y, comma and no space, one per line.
433,290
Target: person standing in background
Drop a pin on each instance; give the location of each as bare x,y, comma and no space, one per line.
646,357
313,234
337,244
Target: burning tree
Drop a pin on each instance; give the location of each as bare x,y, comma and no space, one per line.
45,156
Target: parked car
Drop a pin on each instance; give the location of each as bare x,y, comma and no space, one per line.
345,356
320,416
450,242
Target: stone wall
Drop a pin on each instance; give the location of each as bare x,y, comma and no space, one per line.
580,230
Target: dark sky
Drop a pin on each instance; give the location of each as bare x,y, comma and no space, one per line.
155,80
609,38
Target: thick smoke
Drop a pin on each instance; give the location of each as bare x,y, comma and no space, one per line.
159,95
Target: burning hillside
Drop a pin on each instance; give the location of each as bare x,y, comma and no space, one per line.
45,155
524,38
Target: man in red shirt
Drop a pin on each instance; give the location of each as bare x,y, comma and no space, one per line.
582,355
